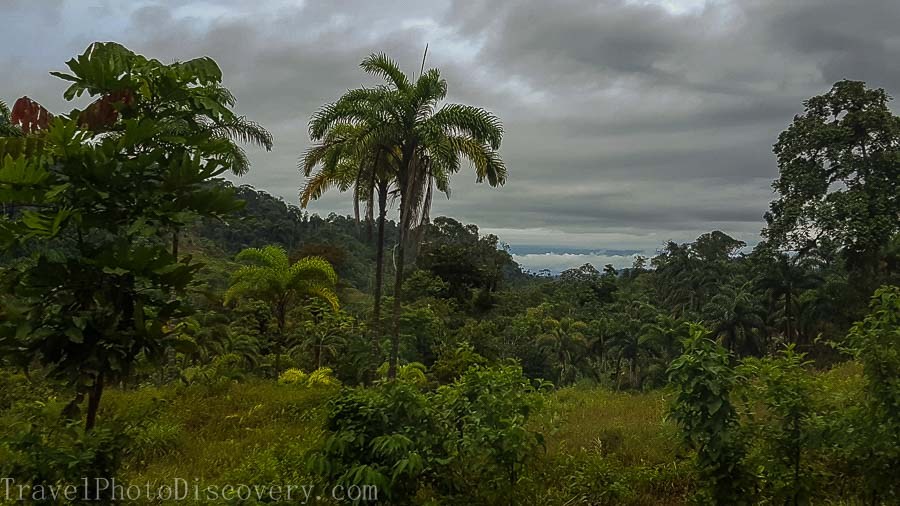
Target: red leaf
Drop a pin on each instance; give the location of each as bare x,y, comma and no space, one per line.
30,116
104,112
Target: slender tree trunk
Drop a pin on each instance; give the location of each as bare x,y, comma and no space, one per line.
94,403
278,340
618,372
398,289
175,244
406,185
379,274
787,316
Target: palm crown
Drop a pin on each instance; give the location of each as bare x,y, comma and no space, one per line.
270,276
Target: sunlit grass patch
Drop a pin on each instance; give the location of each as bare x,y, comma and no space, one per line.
255,431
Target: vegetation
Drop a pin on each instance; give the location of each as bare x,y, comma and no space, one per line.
158,323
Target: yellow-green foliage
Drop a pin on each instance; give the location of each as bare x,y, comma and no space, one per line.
293,376
412,373
322,376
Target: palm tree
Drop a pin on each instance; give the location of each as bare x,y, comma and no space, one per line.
785,279
270,277
565,342
349,156
7,128
625,340
735,314
663,336
426,144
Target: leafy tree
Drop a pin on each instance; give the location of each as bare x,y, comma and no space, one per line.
106,183
785,426
325,333
428,144
876,343
270,277
688,274
702,408
838,175
464,260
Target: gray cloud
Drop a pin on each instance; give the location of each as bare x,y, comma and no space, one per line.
628,122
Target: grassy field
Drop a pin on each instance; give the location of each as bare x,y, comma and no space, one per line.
601,446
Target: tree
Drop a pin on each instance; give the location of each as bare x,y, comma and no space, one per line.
703,380
785,279
734,314
325,333
270,277
98,190
7,128
350,156
426,143
564,341
838,175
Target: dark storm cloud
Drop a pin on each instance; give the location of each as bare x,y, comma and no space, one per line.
628,122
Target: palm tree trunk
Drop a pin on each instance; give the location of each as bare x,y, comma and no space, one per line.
94,403
398,289
379,273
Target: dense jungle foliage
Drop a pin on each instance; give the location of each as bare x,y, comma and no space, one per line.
159,323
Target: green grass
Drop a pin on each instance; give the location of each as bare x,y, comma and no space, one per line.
606,447
601,446
251,432
629,427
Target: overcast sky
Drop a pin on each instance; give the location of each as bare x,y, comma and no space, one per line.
628,122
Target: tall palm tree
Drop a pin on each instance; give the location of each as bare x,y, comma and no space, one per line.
426,143
349,156
270,277
786,278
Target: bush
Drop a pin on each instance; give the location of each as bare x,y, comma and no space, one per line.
321,377
468,439
781,418
876,343
703,380
61,455
293,376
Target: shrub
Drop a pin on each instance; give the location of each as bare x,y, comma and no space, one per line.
322,376
293,376
463,440
412,373
876,343
45,454
782,417
703,380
